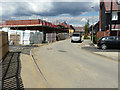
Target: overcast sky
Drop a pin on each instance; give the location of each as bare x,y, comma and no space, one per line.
71,11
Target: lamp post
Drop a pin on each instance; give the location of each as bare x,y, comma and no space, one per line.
92,21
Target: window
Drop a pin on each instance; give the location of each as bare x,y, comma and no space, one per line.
119,2
110,38
118,16
103,39
76,34
115,16
118,38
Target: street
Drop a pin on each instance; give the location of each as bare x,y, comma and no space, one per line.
66,65
60,44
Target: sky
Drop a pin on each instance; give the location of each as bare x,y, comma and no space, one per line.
74,12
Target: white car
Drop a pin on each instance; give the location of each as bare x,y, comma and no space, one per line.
76,37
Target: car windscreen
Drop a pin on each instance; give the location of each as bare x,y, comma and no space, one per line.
77,35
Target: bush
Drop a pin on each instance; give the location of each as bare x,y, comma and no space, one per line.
86,37
95,39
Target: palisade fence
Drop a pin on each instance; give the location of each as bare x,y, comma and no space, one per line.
3,44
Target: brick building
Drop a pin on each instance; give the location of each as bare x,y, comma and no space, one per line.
80,29
106,17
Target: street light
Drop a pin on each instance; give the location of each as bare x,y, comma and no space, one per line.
92,21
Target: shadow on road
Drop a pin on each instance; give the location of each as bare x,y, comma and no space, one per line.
11,68
95,49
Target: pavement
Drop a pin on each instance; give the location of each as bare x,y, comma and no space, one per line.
20,71
66,65
17,69
113,54
30,75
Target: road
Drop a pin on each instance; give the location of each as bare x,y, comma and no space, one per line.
66,65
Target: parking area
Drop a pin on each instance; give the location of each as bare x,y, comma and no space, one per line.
96,49
22,49
109,53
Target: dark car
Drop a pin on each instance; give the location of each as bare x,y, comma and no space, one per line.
109,42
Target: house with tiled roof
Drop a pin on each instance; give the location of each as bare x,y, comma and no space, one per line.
0,24
95,28
80,29
70,28
109,24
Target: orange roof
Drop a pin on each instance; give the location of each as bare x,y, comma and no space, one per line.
79,28
108,5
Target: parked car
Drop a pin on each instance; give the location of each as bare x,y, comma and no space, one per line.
109,42
76,37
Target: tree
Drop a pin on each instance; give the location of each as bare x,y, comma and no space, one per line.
87,27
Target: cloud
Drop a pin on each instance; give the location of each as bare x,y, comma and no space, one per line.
74,20
50,11
10,9
24,9
83,20
50,0
0,10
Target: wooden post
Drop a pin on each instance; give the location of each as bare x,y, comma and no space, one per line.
111,18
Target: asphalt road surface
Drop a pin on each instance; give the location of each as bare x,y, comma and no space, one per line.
66,65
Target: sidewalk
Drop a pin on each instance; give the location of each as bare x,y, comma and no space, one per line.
109,53
18,69
30,75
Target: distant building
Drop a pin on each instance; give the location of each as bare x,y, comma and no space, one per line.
70,28
105,19
80,29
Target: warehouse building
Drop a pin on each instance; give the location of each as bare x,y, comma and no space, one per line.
33,31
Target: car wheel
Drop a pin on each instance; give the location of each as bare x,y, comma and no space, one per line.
104,46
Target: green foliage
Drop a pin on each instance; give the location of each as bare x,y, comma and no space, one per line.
86,37
95,39
87,27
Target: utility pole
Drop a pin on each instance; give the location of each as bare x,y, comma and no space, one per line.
92,21
111,17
